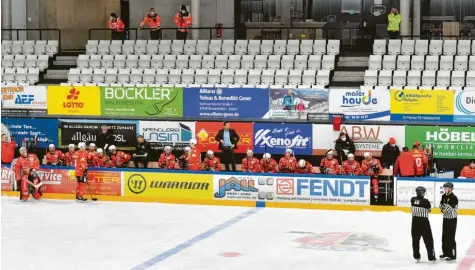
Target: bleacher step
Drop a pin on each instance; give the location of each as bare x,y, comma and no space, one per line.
56,74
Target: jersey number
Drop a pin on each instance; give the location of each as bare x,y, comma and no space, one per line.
419,162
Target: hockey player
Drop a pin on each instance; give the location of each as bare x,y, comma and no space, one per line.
372,167
268,164
118,159
25,169
195,156
421,159
250,163
81,171
167,159
54,157
405,164
184,160
288,163
329,164
469,170
351,166
101,160
304,167
211,163
420,208
91,154
449,207
70,156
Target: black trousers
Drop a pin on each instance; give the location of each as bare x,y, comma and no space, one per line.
181,35
449,246
393,34
142,160
157,34
421,228
227,157
118,35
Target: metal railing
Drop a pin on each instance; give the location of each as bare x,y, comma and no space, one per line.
42,33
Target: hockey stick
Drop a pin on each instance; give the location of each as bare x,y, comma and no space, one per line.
89,189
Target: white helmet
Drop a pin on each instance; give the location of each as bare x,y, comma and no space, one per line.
51,146
193,142
81,145
92,146
367,154
71,145
22,150
350,155
288,150
167,149
267,156
210,153
250,153
187,149
329,153
112,148
302,163
100,151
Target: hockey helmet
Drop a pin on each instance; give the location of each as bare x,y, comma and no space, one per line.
51,146
112,148
187,149
81,145
100,151
210,153
267,156
193,142
302,163
71,145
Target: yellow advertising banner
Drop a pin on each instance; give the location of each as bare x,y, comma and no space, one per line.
168,185
77,100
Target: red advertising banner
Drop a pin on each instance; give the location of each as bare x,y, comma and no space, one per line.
206,132
7,179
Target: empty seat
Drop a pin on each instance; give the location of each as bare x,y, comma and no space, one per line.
82,61
188,75
156,61
446,62
40,47
86,75
414,77
320,47
385,78
123,75
174,76
214,76
371,77
107,61
152,47
443,78
17,47
128,47
103,47
323,77
28,48
162,75
293,46
201,75
407,47
234,61
422,47
450,47
389,62
73,75
432,62
132,61
52,47
417,62
195,61
119,61
260,61
458,78
280,46
19,60
208,61
33,75
169,61
20,75
333,47
177,46
94,61
202,46
463,47
240,47
295,76
267,47
461,62
470,78
9,74
435,47
471,63
274,61
30,61
227,76
375,62
181,61
98,75
115,47
306,46
399,77
165,47
254,76
394,46
379,47
287,62
403,62
300,62
7,46
281,76
221,61
309,76
268,76
144,61
7,60
42,62
240,76
428,78
254,47
148,76
227,47
190,46
328,62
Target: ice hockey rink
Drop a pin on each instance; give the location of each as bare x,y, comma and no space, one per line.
52,234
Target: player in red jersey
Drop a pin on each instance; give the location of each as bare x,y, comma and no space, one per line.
195,157
250,163
54,157
268,164
469,170
91,154
211,163
101,160
351,166
80,168
304,167
287,163
70,156
118,159
329,164
167,159
421,159
25,169
372,167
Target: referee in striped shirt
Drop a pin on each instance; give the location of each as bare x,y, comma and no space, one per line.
449,207
420,208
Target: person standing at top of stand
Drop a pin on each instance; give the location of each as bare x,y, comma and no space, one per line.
153,21
183,21
117,27
394,22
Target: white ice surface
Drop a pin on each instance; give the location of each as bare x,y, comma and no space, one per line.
103,235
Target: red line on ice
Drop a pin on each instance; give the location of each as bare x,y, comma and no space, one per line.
469,259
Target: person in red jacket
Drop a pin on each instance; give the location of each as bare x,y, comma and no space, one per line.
117,26
304,167
153,21
195,157
182,21
329,164
351,166
8,150
80,169
167,159
250,163
101,160
372,167
118,159
70,156
421,159
211,163
405,164
287,163
25,169
469,170
54,157
268,164
91,154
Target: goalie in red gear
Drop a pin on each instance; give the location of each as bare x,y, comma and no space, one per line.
268,164
421,159
288,163
54,157
80,168
211,163
304,167
372,167
329,164
250,163
195,157
167,159
101,160
351,166
25,169
70,156
91,154
118,159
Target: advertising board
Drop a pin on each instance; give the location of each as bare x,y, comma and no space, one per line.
208,103
207,131
274,138
406,189
160,134
24,97
299,102
465,193
77,100
464,105
26,131
243,187
360,104
7,178
448,141
168,185
142,101
422,105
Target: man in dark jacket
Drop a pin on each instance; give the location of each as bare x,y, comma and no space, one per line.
142,149
390,153
105,138
344,145
228,140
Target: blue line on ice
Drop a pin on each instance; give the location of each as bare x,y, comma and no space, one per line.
165,255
